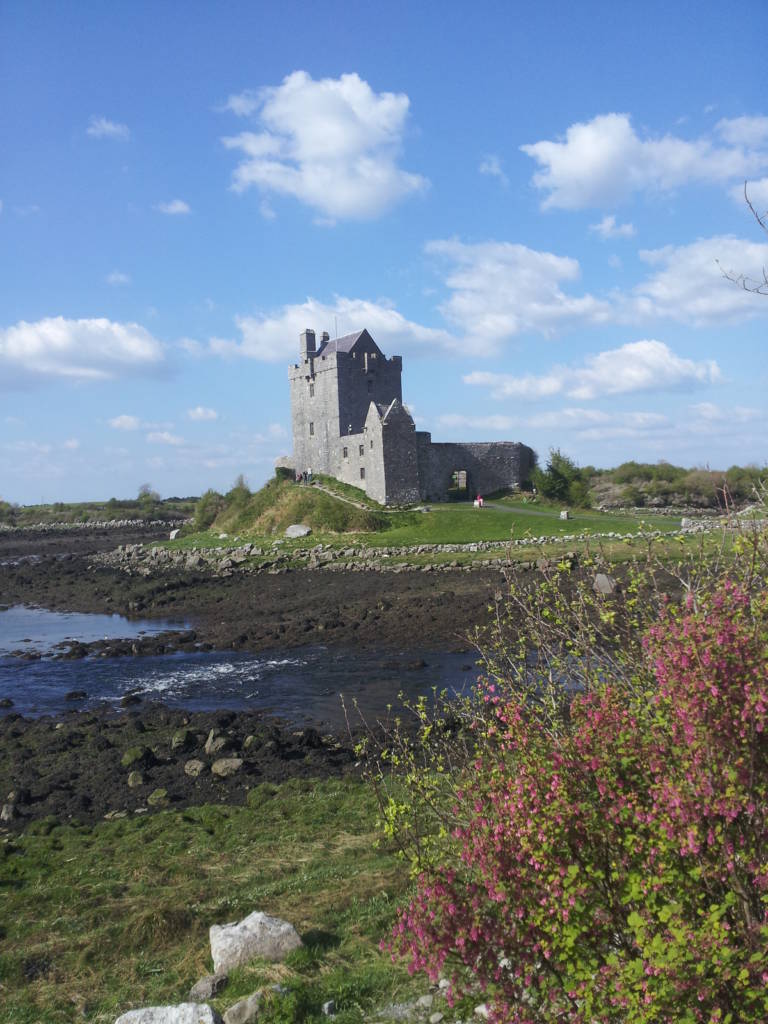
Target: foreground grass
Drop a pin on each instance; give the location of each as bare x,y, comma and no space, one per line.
97,920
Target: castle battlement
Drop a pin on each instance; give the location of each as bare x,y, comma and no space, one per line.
350,423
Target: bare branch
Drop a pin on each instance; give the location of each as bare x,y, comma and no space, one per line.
750,284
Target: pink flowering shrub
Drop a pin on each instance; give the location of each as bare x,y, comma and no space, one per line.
605,858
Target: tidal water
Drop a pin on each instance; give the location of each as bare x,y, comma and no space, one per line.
301,686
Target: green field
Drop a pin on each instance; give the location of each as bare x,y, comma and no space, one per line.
97,920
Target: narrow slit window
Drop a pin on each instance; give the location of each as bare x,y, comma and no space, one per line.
346,453
311,390
362,449
362,472
311,429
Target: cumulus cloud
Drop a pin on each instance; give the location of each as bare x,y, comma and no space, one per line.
716,414
164,437
174,208
500,289
581,424
202,413
688,283
491,165
125,422
333,144
274,337
604,161
103,128
646,365
117,277
757,191
608,228
243,103
80,350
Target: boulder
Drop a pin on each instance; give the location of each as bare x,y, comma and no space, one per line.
226,766
182,1013
135,779
158,797
245,1011
194,768
215,743
182,739
604,585
174,534
298,530
256,935
207,987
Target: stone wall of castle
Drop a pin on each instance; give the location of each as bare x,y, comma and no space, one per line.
490,466
344,425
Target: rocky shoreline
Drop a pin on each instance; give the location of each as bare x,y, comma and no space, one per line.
85,766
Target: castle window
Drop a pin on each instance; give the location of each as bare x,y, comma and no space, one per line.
362,472
311,429
362,449
370,386
311,390
371,444
345,453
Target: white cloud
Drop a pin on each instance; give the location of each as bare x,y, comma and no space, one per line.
164,437
608,228
689,286
202,412
491,165
125,422
117,277
71,444
580,424
243,104
82,350
500,290
743,131
646,365
604,161
174,208
711,413
190,346
757,192
333,144
103,128
274,337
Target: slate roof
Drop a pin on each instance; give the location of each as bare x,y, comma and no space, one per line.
345,344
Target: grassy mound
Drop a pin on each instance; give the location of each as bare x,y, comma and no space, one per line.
280,503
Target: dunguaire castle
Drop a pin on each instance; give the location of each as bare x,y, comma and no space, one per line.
350,423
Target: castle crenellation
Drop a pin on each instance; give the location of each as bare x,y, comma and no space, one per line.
350,423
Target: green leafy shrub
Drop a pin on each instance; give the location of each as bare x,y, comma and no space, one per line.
562,480
598,851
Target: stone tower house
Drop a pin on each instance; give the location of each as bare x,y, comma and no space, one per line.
350,423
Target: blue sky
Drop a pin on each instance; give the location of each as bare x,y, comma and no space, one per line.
527,202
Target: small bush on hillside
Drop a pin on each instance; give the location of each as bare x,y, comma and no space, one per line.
589,829
562,480
207,508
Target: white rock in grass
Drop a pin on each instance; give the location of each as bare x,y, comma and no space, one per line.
298,530
256,935
183,1013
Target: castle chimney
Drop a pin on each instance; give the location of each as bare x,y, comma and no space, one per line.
325,336
307,344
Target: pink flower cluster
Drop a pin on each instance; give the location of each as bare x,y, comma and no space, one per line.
616,869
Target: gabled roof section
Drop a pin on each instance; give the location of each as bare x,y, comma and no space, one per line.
346,343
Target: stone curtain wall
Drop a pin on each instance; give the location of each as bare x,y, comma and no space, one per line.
490,465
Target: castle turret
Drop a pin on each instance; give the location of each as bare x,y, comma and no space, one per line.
307,344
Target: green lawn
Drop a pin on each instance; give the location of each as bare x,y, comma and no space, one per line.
97,920
458,524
